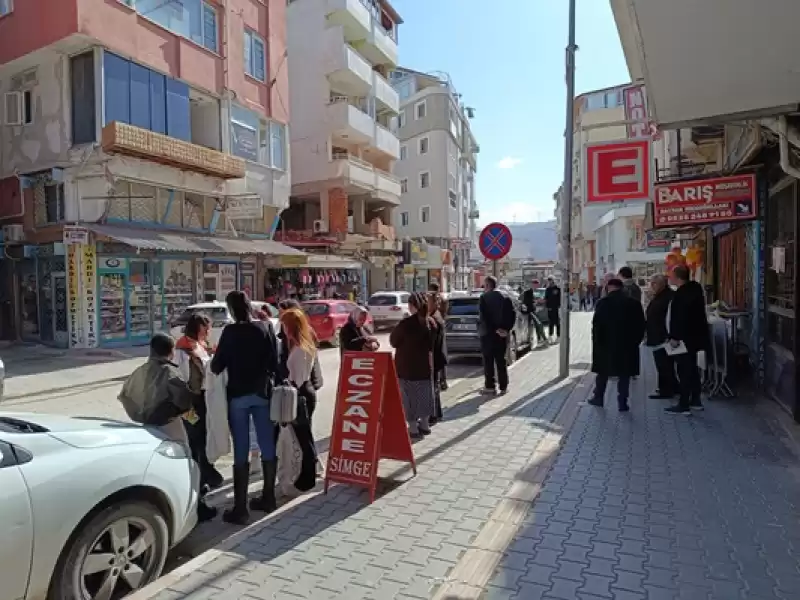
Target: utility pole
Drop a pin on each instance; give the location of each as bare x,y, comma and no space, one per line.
566,198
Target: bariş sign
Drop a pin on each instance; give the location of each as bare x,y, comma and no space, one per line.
618,171
705,201
495,241
369,421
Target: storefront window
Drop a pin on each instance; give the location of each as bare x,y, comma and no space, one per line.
781,236
112,283
178,286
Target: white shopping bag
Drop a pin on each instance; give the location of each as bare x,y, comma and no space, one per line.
290,460
218,439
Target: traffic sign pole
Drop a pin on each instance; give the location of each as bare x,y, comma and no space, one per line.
566,197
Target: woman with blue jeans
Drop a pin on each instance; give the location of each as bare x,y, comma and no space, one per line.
247,350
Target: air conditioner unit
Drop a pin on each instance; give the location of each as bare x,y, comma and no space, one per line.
13,234
320,226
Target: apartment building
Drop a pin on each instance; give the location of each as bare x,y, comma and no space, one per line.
437,166
606,236
343,147
143,161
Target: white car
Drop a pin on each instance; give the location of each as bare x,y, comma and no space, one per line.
388,308
2,379
90,507
219,315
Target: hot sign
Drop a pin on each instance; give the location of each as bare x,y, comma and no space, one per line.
618,171
705,201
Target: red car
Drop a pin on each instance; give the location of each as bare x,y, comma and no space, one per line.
328,317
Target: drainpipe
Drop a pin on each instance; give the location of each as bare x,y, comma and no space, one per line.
783,144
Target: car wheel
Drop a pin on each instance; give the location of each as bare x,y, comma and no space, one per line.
118,550
334,341
511,355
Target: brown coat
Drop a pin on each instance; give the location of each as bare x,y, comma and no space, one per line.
413,341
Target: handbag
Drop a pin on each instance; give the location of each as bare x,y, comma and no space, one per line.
283,404
290,460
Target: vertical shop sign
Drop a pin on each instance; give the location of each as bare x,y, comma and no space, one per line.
227,279
89,281
73,296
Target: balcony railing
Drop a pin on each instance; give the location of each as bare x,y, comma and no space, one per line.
134,141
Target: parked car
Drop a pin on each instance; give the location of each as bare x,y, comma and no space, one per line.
2,379
90,506
461,328
327,317
219,315
388,308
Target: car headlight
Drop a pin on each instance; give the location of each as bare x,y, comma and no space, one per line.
172,449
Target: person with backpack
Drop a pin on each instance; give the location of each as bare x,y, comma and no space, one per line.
247,350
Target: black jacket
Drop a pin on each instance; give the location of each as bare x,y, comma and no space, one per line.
496,311
352,338
439,347
248,351
657,317
617,330
552,297
529,300
688,322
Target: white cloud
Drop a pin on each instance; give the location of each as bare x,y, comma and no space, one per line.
509,162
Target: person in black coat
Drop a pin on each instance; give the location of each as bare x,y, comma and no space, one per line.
618,327
687,324
496,320
354,337
528,299
439,353
552,301
656,337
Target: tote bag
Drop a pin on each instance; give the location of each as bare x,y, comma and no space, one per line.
290,460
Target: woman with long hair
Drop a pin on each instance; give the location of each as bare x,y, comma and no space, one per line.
247,350
413,339
354,336
302,353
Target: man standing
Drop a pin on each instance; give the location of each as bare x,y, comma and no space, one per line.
629,286
656,338
687,328
529,302
552,301
617,330
497,317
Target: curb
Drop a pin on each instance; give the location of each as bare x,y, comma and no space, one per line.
62,388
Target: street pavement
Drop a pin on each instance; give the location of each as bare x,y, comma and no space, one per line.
538,495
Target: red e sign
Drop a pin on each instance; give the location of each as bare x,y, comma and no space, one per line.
618,171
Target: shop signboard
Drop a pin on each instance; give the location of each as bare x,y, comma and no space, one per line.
659,241
74,295
227,279
618,171
75,235
89,282
419,254
705,201
244,208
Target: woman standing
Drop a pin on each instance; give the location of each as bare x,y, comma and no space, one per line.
248,352
354,337
439,353
192,354
302,353
413,339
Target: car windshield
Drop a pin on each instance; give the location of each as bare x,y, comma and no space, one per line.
463,306
538,293
383,300
215,313
313,309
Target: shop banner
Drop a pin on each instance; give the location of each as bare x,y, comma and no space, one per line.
89,282
659,241
705,201
369,421
419,254
74,295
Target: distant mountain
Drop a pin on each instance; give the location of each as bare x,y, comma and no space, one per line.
534,240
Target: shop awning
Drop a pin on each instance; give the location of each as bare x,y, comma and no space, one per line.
148,239
331,261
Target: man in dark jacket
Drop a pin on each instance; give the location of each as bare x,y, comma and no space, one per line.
629,286
688,325
496,320
617,330
552,301
529,302
657,337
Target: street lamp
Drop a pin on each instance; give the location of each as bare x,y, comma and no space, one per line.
566,200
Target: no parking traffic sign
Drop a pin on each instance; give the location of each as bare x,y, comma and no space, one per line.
495,241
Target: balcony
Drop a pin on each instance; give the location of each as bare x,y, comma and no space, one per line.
386,98
347,72
387,186
353,17
122,138
350,123
387,142
356,172
379,47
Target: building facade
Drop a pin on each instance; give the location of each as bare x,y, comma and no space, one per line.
343,146
143,161
437,168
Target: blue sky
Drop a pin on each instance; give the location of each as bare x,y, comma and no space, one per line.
506,57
